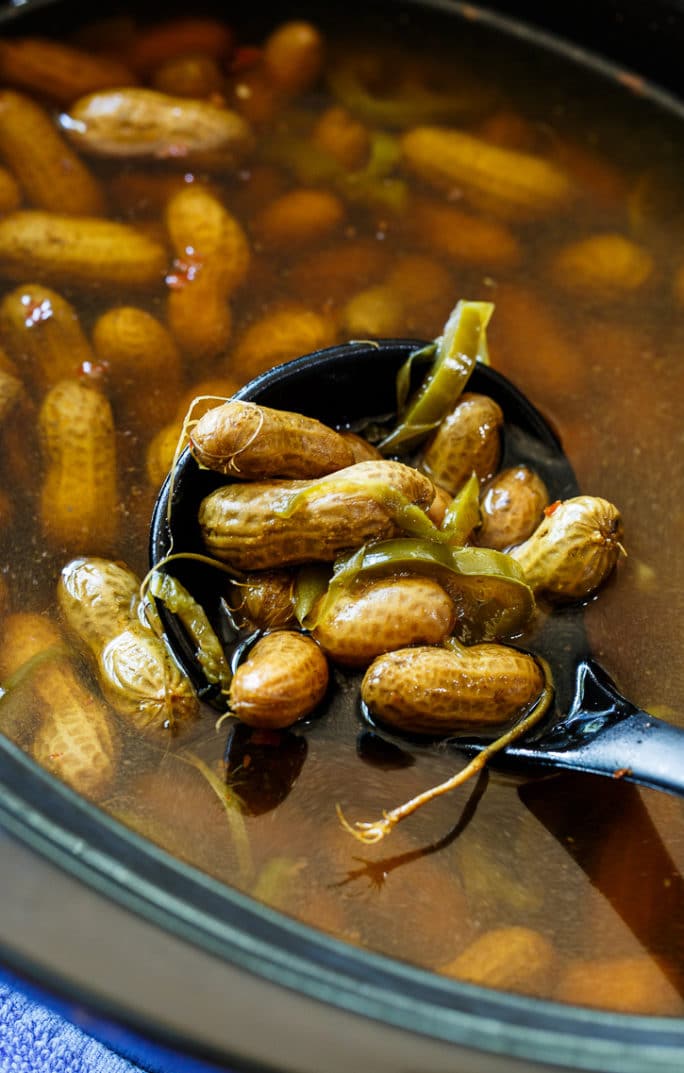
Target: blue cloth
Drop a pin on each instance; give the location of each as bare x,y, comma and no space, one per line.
33,1039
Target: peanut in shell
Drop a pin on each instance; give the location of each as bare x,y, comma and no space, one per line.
252,527
384,615
467,441
511,507
283,679
438,691
257,442
574,550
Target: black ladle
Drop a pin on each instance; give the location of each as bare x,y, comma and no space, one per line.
592,728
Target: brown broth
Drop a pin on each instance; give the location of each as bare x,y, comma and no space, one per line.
580,862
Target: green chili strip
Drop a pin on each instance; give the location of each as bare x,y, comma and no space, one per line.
492,598
233,809
463,513
179,602
402,511
409,104
463,343
311,583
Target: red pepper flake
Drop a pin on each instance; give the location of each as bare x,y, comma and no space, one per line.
552,508
622,772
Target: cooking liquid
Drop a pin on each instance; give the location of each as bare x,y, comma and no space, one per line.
591,865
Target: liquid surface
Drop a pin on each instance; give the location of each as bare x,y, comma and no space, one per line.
582,875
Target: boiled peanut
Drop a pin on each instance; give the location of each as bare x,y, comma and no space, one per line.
277,337
213,258
75,738
510,130
461,236
51,175
293,57
179,37
256,442
602,267
299,218
78,505
425,288
439,691
283,679
574,549
97,598
373,313
144,685
138,677
190,75
439,506
84,252
133,123
339,133
142,361
467,441
381,616
58,71
509,958
511,507
265,599
42,334
637,984
241,524
505,182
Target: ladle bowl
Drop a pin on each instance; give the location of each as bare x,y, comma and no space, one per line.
591,727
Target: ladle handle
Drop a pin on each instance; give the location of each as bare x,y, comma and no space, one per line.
638,748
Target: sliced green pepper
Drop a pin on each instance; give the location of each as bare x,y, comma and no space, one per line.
492,598
463,513
463,343
179,602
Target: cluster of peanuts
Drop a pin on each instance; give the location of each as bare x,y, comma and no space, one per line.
303,493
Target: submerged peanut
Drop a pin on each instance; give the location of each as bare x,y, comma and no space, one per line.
75,738
439,690
212,260
143,364
467,441
138,677
56,70
256,442
133,123
511,507
384,615
574,549
602,267
42,334
78,504
84,252
51,175
283,679
506,182
254,526
510,958
278,336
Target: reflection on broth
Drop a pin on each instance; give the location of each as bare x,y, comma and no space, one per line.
184,205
